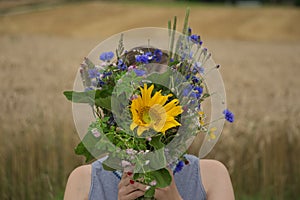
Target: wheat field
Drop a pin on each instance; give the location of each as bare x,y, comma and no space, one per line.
258,49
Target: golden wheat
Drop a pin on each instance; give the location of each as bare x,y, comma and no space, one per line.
261,149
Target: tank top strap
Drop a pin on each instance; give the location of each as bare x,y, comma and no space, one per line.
189,182
104,184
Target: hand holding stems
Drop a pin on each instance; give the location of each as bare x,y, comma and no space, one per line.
129,189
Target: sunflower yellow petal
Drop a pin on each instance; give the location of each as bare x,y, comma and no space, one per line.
141,129
169,124
133,125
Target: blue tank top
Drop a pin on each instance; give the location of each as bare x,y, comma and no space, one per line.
104,184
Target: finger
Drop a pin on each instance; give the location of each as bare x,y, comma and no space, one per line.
142,187
137,186
134,195
125,180
124,183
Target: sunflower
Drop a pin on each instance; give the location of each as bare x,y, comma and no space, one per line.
153,112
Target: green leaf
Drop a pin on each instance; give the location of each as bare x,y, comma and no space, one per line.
186,21
150,193
206,95
106,91
173,37
81,150
157,159
80,97
162,177
113,163
103,103
156,142
101,98
107,168
87,147
162,78
89,63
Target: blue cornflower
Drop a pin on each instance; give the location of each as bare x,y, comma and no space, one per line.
199,91
107,56
121,65
229,116
198,68
178,167
187,77
194,95
186,91
142,59
93,73
139,72
157,55
149,54
195,39
195,79
192,92
105,74
100,82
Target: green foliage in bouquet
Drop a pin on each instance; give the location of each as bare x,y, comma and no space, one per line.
150,110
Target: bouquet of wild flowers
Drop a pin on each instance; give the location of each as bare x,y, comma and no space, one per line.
147,104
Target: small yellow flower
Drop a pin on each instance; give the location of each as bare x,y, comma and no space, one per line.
211,133
201,117
153,112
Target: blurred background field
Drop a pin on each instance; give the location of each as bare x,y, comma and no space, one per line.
42,44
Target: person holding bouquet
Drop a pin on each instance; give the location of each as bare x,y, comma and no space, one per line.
148,104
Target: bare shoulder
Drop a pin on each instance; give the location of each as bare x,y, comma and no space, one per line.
79,182
216,180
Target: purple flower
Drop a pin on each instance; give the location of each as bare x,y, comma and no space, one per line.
194,92
139,72
95,132
93,73
153,183
198,68
106,56
142,59
100,82
187,91
131,67
199,91
195,39
187,77
105,74
125,163
228,115
121,65
195,79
